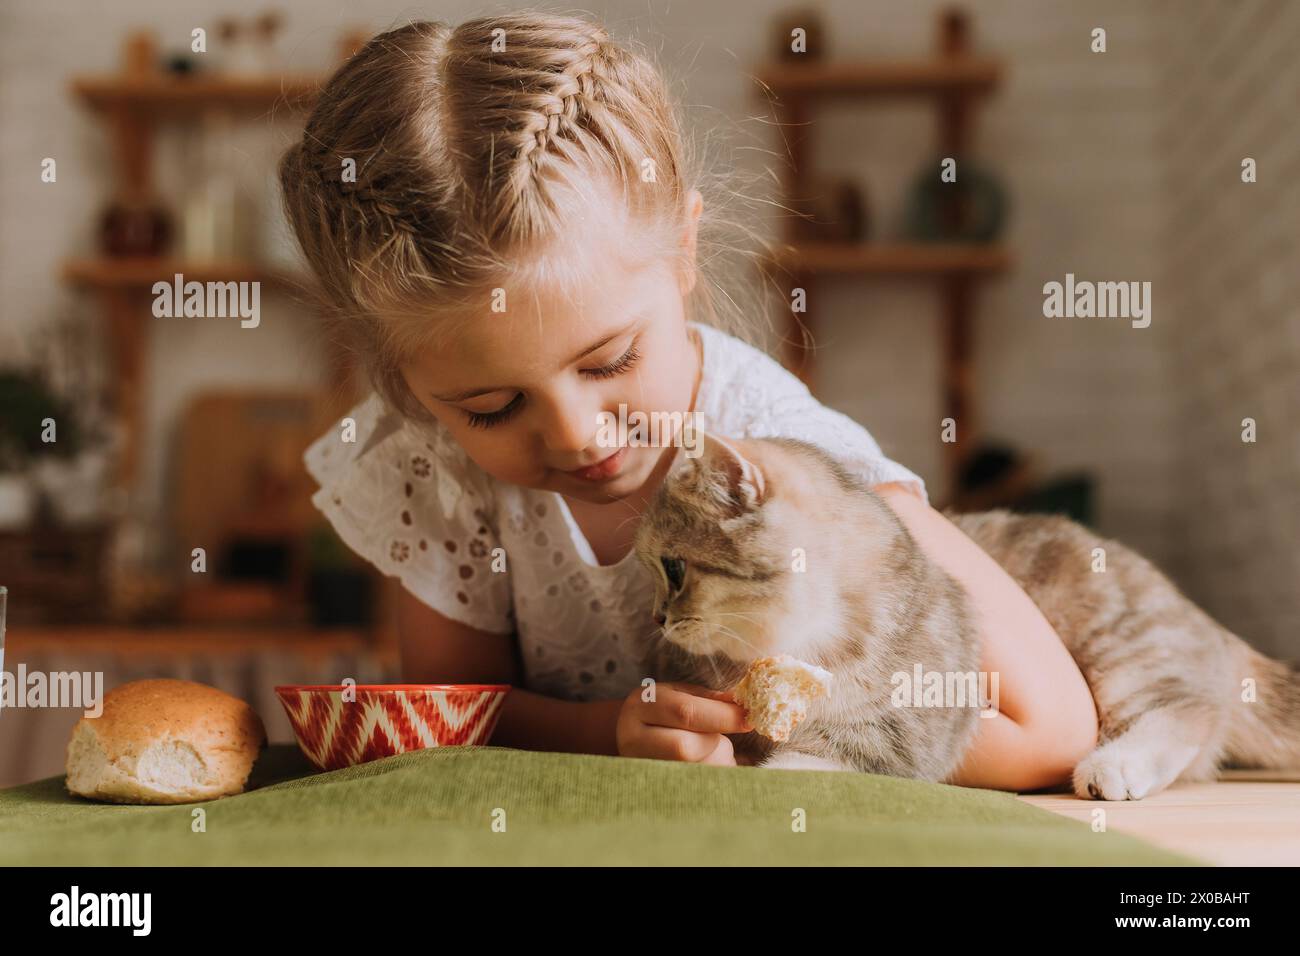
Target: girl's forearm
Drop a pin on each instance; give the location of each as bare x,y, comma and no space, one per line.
1006,756
532,721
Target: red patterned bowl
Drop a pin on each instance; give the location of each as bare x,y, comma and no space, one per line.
387,719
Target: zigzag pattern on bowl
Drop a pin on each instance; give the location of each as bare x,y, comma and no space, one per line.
334,734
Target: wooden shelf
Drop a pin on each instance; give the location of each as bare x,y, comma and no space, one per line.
186,94
952,81
133,105
885,259
143,272
954,75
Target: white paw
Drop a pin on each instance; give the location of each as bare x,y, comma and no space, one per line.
1117,773
794,760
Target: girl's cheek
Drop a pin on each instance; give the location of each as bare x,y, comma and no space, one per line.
503,458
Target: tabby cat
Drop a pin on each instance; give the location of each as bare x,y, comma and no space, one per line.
770,546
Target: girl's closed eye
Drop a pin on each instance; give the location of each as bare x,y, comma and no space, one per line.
622,364
618,366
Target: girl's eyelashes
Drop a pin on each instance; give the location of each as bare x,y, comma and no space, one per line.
619,366
487,419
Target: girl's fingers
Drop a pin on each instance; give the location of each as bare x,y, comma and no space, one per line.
701,691
723,755
667,743
723,695
677,708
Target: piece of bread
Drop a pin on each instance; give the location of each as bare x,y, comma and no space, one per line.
777,691
164,741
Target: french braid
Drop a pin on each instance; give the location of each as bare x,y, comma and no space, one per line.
467,143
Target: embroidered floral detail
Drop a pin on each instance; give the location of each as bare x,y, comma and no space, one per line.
478,548
421,467
399,551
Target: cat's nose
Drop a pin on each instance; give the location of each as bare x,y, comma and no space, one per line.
660,618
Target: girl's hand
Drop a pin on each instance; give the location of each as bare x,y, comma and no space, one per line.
684,722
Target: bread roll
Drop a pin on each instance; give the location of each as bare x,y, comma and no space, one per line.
164,741
777,691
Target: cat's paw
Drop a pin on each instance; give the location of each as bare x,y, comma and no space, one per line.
794,760
1116,773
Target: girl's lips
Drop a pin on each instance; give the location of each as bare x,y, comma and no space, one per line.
601,470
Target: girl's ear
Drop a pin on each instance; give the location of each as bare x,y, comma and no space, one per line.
687,241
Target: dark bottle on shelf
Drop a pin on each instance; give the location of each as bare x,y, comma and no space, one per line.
135,227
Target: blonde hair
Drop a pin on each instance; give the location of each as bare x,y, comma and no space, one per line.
465,143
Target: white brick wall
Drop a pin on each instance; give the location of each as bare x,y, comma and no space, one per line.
1231,80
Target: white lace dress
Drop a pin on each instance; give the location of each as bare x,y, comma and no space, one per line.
406,498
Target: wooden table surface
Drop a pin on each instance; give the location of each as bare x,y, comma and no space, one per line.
1246,818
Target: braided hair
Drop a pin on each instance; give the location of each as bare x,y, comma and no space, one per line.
438,157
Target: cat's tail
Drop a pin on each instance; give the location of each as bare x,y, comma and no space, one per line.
1264,730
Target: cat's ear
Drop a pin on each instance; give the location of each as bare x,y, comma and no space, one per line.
742,480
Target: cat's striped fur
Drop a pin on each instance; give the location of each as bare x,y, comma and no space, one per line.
787,552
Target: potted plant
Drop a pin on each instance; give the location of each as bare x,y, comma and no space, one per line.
65,471
29,406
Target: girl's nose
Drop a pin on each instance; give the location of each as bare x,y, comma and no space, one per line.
571,426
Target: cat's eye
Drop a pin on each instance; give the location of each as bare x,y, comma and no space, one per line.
675,569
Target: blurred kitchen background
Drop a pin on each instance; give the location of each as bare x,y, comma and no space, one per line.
924,300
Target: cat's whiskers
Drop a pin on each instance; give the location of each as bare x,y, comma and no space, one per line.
633,517
730,633
748,618
673,626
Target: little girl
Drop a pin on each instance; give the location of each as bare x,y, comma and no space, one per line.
500,220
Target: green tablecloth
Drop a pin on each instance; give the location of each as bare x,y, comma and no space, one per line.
437,807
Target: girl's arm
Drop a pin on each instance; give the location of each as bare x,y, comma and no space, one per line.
438,650
1047,720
